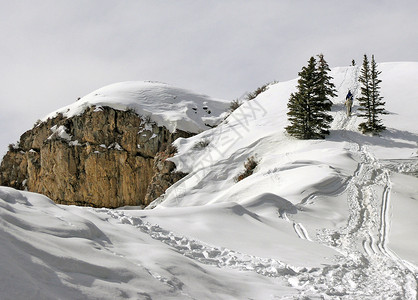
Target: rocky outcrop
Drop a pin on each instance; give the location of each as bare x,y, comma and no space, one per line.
102,158
164,175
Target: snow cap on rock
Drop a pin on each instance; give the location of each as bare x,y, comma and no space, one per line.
168,106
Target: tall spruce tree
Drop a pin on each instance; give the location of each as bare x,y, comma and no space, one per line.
364,99
307,107
371,104
377,103
326,87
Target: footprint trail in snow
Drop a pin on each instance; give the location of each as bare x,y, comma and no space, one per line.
204,253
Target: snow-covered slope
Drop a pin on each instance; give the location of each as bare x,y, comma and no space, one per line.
168,106
330,219
257,128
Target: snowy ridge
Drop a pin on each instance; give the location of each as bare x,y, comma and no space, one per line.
168,106
318,219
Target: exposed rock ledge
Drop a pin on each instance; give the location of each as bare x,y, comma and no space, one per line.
102,158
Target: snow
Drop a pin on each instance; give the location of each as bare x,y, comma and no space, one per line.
168,106
318,219
61,132
115,146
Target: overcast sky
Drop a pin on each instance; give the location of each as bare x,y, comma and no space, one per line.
54,51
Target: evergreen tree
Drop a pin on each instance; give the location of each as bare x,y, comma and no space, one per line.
297,116
326,87
364,99
377,103
307,106
371,104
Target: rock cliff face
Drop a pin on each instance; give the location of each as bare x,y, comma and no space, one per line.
102,158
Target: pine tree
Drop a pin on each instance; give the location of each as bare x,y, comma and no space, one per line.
297,117
307,106
377,103
364,99
326,87
371,104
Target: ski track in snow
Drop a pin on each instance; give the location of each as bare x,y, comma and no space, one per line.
367,262
301,231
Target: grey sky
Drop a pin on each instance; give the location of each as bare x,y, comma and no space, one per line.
54,51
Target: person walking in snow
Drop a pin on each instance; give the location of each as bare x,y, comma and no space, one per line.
349,102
